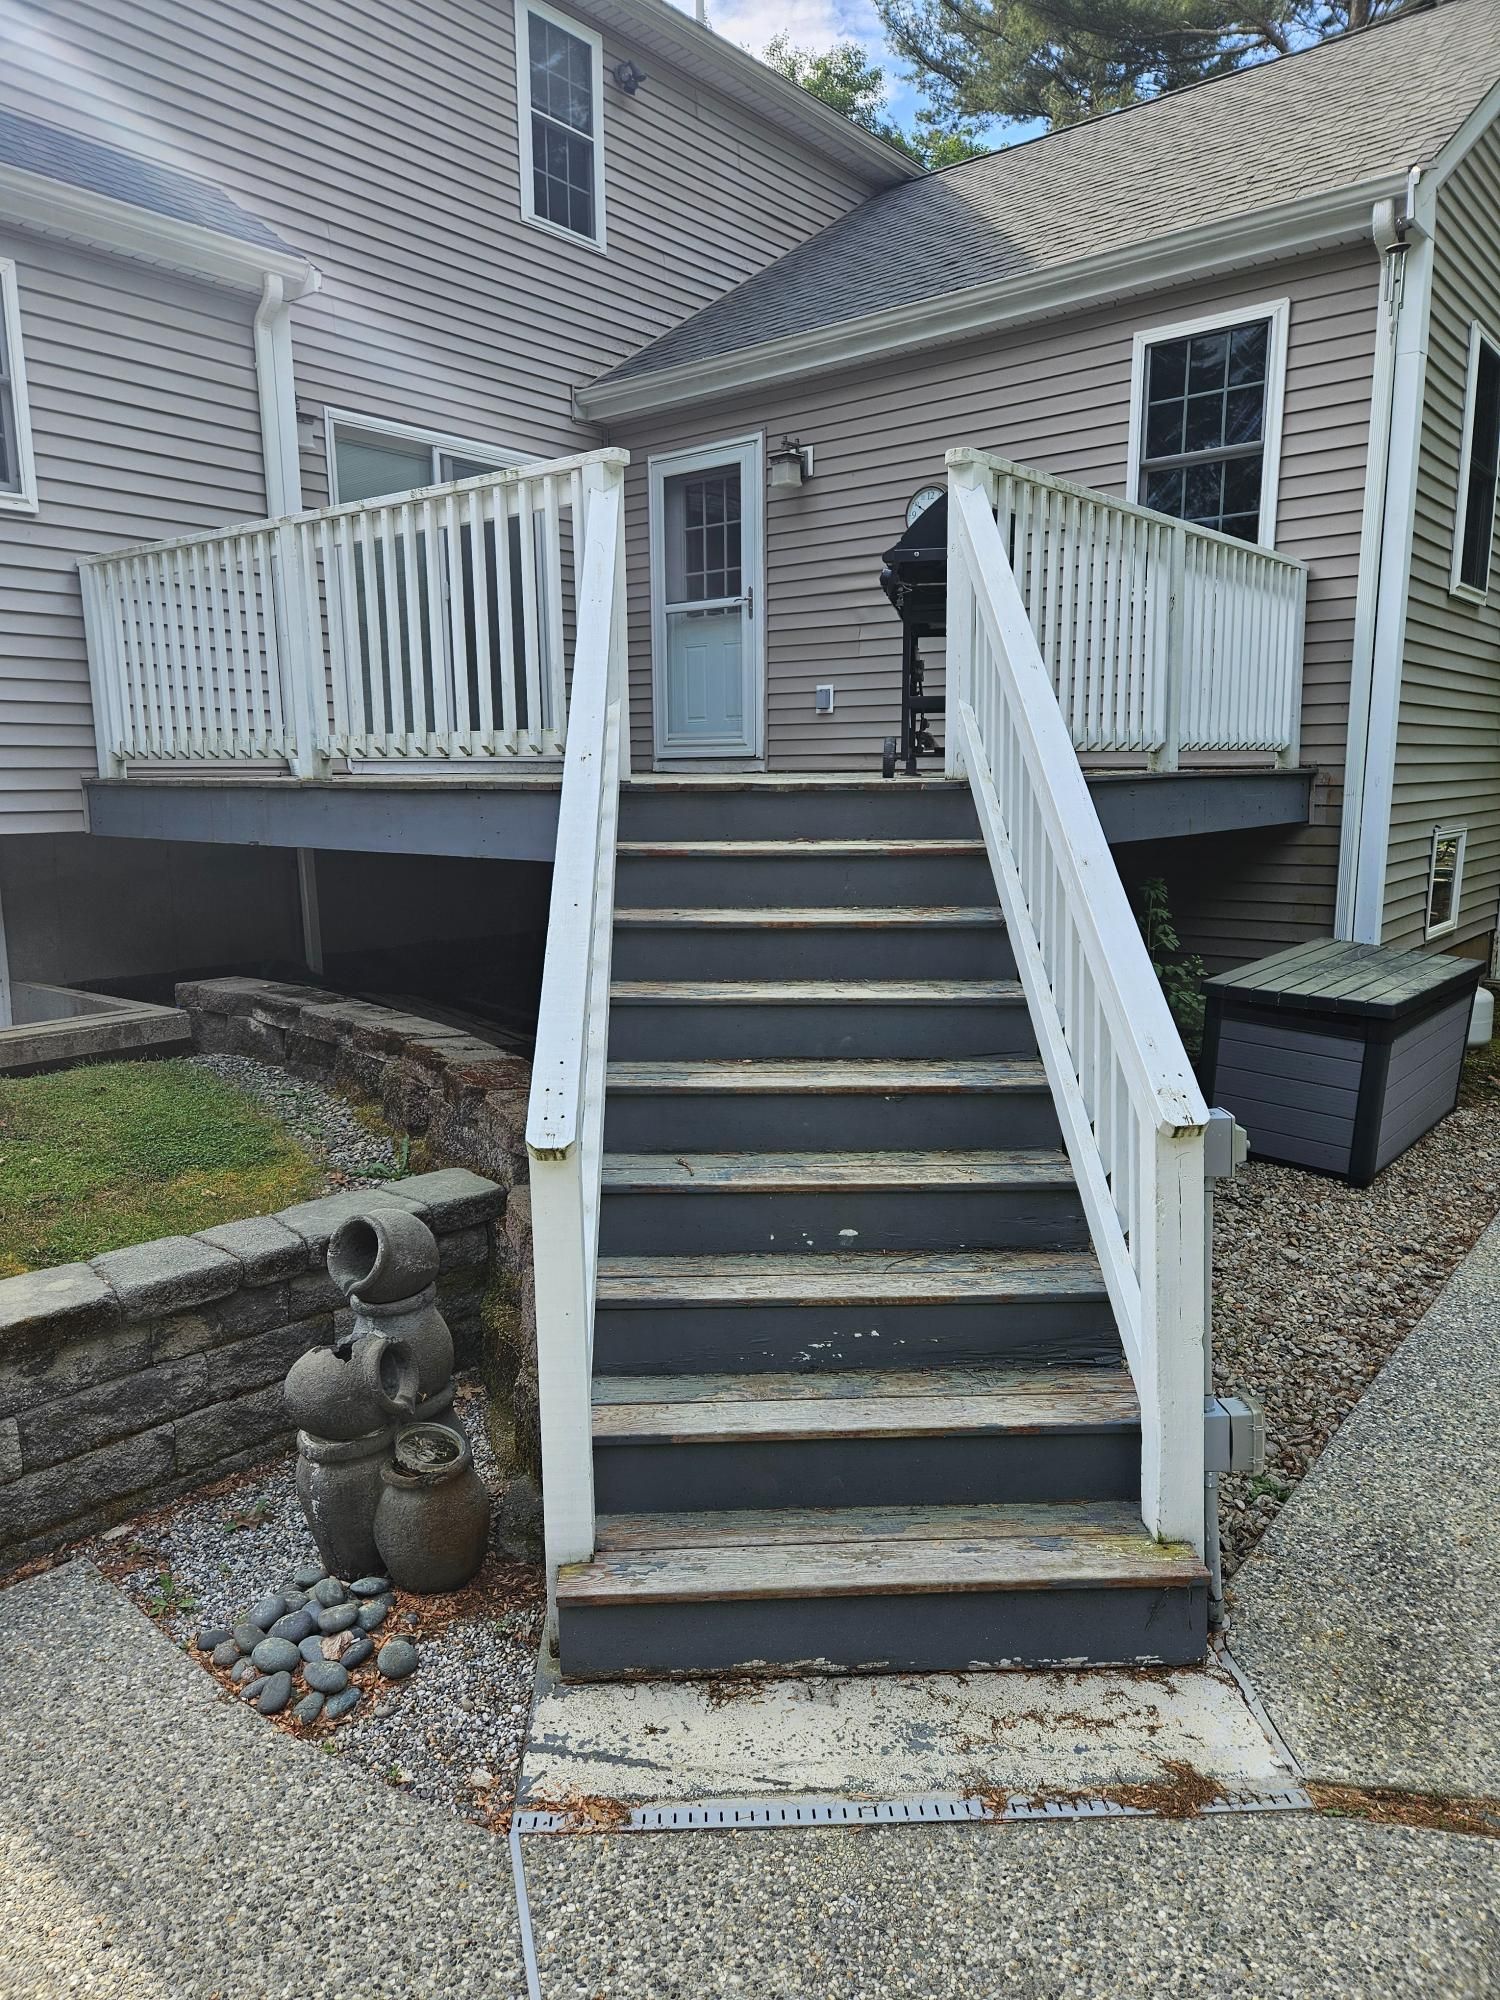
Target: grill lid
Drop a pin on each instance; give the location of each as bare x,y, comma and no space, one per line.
915,573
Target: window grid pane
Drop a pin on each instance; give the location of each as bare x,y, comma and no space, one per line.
1203,455
561,76
1484,468
10,456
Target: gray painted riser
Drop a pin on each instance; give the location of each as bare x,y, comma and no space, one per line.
686,1031
685,1224
741,1340
826,1121
926,1633
907,952
839,812
868,1472
810,880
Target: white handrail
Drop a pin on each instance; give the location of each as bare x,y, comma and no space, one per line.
1131,1112
1159,636
433,625
565,1118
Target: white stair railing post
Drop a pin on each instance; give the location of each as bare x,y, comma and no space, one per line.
1170,1258
968,472
1174,650
565,1118
300,645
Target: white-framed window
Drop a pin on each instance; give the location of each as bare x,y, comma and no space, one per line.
1478,469
560,112
1445,878
1206,401
370,458
17,466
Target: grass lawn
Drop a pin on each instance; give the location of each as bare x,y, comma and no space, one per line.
95,1158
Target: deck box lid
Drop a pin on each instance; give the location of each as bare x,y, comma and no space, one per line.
1333,976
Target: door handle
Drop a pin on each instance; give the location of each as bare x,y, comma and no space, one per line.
750,600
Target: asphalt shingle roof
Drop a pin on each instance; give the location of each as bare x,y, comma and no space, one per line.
39,148
1331,117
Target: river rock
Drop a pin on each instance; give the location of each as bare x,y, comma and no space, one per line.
356,1654
267,1612
247,1636
308,1577
311,1648
212,1636
295,1599
339,1705
397,1658
370,1586
247,1670
309,1708
338,1617
294,1626
275,1695
374,1614
327,1676
252,1687
330,1592
276,1656
226,1653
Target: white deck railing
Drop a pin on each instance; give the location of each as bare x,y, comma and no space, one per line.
1131,1112
565,1119
435,625
1160,638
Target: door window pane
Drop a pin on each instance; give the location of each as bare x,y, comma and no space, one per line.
561,83
703,535
1203,435
1478,498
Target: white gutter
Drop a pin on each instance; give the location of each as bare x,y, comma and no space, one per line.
1309,223
1384,586
79,215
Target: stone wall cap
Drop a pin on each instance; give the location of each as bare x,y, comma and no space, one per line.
168,1275
265,1248
315,1221
453,1197
65,1301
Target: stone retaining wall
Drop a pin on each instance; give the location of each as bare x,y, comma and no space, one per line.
463,1099
128,1379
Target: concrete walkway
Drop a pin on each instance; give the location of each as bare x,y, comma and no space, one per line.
159,1843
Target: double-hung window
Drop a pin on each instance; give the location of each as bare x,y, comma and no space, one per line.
1479,469
1206,421
560,83
17,467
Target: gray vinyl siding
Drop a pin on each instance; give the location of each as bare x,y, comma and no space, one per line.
382,142
1448,737
145,425
1055,396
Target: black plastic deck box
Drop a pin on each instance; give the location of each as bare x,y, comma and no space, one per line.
1338,1056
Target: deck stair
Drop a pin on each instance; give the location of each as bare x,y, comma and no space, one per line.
859,1400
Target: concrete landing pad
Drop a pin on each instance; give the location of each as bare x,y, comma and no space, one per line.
891,1737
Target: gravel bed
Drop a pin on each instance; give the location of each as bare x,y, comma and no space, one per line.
354,1154
452,1733
1316,1284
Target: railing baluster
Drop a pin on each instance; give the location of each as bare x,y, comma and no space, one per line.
459,660
480,528
511,669
531,618
273,734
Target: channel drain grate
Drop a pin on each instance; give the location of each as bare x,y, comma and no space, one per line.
728,1814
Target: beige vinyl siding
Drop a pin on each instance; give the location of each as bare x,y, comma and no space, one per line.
1448,735
1055,396
145,425
382,142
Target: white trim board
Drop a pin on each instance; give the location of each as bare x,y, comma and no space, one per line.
661,466
24,501
1278,313
595,44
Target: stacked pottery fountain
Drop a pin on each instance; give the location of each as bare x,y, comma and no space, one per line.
384,1471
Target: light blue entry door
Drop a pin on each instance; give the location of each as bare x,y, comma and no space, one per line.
706,527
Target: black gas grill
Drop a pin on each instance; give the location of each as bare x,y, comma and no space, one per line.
915,579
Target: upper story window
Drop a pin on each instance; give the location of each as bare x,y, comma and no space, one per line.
1479,468
560,81
17,467
1206,401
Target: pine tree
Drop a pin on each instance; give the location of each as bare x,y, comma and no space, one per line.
845,77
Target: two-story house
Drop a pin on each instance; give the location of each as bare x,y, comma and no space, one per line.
524,400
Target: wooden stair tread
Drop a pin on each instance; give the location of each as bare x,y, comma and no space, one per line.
851,1277
836,849
769,1173
851,1564
859,917
905,1077
821,992
939,1402
636,1534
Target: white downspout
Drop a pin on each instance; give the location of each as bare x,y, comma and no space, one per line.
276,383
1398,393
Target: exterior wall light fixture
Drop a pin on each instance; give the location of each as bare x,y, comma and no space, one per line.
629,76
791,463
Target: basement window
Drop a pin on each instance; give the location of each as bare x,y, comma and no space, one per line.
1445,878
1478,469
560,91
1206,420
17,466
